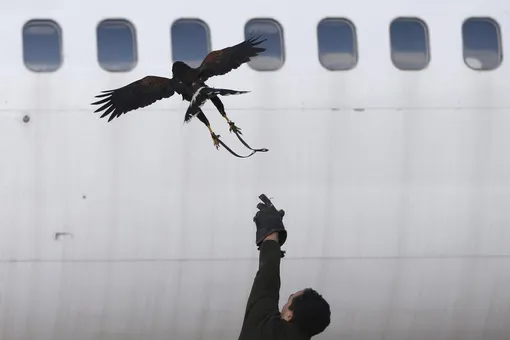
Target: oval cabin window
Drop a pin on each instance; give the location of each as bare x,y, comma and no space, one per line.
336,39
42,45
481,44
409,44
116,45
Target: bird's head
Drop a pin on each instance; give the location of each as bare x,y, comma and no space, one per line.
179,67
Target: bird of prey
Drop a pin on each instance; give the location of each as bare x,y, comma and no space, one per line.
149,89
188,82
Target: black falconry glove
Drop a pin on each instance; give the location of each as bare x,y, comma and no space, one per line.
269,220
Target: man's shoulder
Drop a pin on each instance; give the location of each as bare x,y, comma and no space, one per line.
284,330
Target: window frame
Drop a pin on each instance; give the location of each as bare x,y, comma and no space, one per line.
427,42
355,47
59,30
499,40
132,27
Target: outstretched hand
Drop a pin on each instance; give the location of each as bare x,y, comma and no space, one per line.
269,220
267,206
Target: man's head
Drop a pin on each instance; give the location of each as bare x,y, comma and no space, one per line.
308,310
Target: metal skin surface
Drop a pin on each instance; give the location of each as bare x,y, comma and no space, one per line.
396,184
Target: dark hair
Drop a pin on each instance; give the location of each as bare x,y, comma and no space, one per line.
311,313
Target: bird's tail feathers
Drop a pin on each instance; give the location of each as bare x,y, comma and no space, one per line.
206,92
202,94
211,91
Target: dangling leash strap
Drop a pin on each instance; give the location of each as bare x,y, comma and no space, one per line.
232,152
244,143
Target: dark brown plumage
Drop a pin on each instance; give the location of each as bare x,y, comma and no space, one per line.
138,94
219,62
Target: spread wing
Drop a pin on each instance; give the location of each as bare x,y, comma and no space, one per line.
138,94
223,61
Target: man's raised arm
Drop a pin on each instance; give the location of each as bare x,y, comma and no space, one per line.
271,234
266,286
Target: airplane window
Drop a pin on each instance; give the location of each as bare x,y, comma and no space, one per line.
42,45
482,44
409,44
190,41
116,45
337,44
274,57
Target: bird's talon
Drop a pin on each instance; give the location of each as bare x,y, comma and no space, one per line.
216,140
234,128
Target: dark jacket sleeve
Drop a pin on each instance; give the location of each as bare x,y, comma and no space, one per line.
262,303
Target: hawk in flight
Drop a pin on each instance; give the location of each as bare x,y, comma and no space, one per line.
188,82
